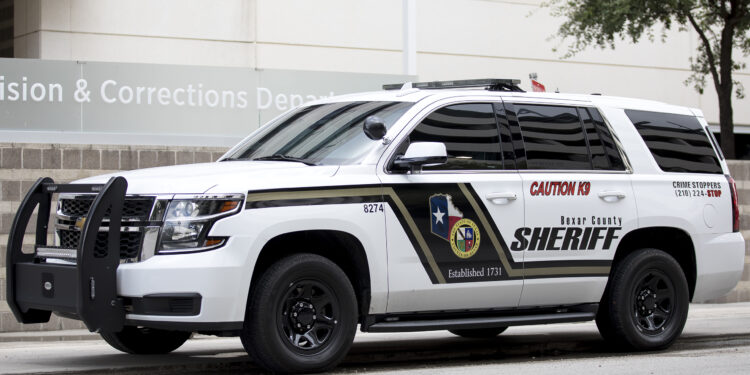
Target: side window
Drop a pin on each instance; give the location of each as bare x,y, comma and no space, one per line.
604,152
553,137
470,135
678,142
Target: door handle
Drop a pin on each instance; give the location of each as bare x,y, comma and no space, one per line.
611,196
501,198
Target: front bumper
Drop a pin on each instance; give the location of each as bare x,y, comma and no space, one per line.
204,291
219,276
87,289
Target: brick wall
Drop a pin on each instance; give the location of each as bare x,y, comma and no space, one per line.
22,164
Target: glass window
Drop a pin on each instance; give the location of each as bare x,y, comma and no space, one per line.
321,134
604,152
470,135
553,137
678,142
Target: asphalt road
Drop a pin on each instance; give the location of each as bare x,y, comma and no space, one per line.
716,340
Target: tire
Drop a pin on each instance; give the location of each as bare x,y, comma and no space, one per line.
139,340
301,316
646,304
481,333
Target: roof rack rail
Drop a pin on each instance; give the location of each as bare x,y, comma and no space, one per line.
491,84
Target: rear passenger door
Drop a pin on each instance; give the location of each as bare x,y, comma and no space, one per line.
578,200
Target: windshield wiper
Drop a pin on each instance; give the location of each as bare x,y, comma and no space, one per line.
280,157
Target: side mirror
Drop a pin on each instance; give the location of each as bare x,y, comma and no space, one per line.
422,154
374,128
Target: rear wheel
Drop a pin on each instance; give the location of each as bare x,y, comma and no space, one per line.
480,333
301,316
646,305
140,340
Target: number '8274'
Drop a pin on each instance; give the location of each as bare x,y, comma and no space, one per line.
371,208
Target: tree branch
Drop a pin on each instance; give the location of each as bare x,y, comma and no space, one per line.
723,6
709,51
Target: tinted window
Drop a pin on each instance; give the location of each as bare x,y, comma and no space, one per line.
553,137
470,135
604,152
678,142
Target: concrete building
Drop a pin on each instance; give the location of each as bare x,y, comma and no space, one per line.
429,39
442,39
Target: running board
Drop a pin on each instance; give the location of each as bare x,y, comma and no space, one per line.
480,322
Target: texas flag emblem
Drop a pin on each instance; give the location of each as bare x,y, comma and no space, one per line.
447,222
444,215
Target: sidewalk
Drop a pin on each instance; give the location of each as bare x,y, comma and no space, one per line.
77,351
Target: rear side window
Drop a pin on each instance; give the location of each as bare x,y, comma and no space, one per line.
678,142
553,137
469,132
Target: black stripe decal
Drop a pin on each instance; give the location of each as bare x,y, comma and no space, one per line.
408,202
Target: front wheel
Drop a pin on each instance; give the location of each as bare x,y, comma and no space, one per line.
646,305
301,316
141,340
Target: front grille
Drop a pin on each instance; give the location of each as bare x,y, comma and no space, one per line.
134,208
130,242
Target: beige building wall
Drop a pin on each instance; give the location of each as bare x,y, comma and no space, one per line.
455,39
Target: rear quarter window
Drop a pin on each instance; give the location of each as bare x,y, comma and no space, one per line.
677,142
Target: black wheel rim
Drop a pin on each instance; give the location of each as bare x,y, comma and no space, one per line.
308,316
653,304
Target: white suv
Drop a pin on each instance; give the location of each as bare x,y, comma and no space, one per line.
469,206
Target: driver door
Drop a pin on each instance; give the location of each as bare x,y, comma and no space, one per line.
446,228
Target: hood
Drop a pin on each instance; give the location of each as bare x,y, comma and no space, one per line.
217,177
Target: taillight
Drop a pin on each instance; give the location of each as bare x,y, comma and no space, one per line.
735,205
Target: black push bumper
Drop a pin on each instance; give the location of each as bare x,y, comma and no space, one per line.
87,289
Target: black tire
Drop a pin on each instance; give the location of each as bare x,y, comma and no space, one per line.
301,316
481,333
139,340
646,304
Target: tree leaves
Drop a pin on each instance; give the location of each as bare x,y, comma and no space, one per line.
722,27
601,23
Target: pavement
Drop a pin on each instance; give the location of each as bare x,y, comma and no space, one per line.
710,328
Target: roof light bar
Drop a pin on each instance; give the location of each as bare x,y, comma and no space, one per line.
491,84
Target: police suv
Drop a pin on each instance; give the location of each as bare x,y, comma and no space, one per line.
468,206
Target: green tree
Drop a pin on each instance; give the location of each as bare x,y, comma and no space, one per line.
722,26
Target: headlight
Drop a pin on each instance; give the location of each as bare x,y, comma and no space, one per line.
188,221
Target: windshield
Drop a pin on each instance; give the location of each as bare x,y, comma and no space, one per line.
327,134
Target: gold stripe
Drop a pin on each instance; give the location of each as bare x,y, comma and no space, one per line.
546,271
556,271
358,192
417,234
312,194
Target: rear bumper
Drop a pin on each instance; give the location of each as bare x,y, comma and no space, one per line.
720,259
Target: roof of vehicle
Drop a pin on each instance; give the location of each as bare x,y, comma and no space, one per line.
410,94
